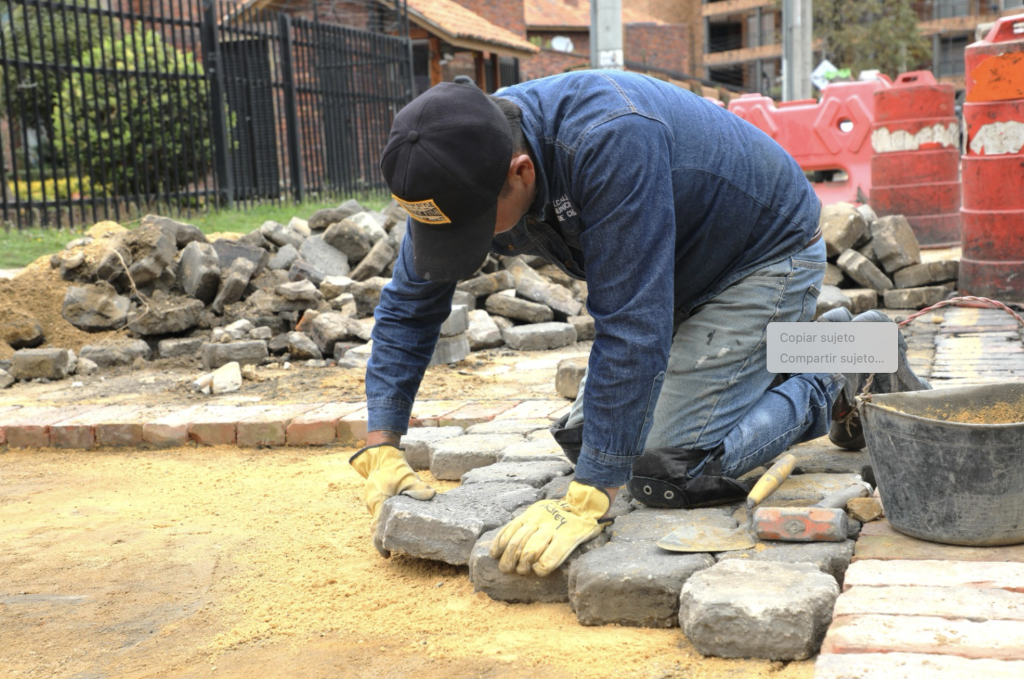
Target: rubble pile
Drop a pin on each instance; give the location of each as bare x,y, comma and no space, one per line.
303,291
876,262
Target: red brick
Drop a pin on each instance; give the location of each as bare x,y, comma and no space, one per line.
169,430
913,666
319,427
78,432
475,413
428,413
993,639
216,425
935,573
5,412
31,429
352,428
530,410
124,426
270,428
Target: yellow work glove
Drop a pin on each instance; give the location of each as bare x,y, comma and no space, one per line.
387,474
544,536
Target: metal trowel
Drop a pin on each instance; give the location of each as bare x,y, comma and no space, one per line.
717,539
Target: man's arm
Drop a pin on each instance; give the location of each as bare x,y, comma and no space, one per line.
408,321
622,181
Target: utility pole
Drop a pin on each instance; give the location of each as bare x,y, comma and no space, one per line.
606,34
797,32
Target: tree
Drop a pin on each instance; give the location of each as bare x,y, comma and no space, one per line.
131,131
871,34
40,40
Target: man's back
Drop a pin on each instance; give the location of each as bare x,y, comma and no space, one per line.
738,200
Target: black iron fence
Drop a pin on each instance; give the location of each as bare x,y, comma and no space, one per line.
113,108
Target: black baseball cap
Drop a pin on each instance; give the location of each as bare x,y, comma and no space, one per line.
446,161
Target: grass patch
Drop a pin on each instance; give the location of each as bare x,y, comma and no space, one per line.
21,247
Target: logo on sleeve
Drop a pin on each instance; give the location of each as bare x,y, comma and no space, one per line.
564,208
425,211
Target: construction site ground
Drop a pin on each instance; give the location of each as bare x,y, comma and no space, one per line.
236,562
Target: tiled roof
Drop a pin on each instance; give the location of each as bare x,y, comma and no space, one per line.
574,14
460,23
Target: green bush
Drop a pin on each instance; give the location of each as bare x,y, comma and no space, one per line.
42,36
136,133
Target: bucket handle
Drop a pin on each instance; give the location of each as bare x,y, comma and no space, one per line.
915,78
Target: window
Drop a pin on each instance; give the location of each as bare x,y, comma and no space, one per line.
951,56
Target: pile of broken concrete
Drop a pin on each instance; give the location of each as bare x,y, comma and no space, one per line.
876,262
283,293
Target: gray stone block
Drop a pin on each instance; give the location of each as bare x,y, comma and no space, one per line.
235,282
915,298
756,609
182,233
319,254
636,585
539,336
861,299
841,227
514,588
488,284
454,457
349,238
807,489
533,451
508,495
832,558
457,321
123,352
483,332
465,299
283,258
228,251
860,269
281,234
831,298
294,291
380,256
650,525
895,243
179,347
166,316
535,474
518,309
6,379
418,444
199,271
833,274
95,308
328,329
531,285
521,427
585,328
443,529
569,374
449,350
302,348
821,456
48,364
367,294
321,219
251,352
921,275
335,286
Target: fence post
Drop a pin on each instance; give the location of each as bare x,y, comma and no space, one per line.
291,115
221,138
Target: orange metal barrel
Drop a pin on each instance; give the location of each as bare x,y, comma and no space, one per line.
992,264
915,165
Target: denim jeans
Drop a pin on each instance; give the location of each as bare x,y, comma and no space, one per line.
717,387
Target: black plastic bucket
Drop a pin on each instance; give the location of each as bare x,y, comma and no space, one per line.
961,484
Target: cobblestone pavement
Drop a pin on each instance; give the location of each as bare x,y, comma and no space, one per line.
905,607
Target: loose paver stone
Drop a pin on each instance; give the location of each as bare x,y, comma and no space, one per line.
650,525
418,444
756,609
533,451
631,584
454,457
535,474
514,588
829,557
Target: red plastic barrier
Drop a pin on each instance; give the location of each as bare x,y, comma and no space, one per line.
992,264
827,135
915,169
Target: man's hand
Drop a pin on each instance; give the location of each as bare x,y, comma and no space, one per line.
544,536
387,474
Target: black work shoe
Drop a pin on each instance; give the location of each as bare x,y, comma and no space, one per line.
846,430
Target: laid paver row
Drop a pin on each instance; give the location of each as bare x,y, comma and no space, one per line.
305,424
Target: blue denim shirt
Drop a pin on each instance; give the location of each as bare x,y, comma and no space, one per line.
659,200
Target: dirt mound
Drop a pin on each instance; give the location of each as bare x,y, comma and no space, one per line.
39,292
